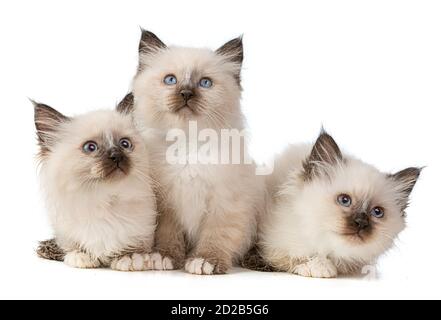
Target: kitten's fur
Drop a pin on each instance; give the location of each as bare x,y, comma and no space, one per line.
307,232
101,204
207,212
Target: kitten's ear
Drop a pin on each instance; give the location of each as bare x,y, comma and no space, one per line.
126,105
149,44
325,153
232,50
47,122
405,181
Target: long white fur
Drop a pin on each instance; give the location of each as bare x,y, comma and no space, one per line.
302,229
197,190
100,218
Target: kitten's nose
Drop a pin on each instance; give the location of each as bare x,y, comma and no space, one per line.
362,221
187,94
115,156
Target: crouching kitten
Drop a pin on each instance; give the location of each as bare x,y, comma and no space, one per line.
331,213
96,180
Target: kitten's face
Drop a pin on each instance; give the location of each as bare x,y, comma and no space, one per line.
357,205
187,83
97,147
103,146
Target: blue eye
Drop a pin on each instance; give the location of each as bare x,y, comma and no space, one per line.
125,143
206,83
170,80
344,200
90,147
377,212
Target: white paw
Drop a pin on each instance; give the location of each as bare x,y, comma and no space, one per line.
160,263
80,260
132,262
199,266
302,270
317,268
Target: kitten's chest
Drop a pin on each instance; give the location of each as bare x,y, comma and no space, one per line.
190,189
105,225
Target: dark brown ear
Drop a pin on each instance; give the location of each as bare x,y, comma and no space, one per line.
233,52
325,153
149,44
47,122
126,105
405,181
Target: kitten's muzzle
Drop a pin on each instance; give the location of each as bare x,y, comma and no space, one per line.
186,94
361,220
116,156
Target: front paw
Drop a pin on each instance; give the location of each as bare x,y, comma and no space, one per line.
77,259
202,266
161,263
316,268
131,262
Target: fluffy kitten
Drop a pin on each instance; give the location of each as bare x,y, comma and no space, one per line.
332,214
95,176
207,211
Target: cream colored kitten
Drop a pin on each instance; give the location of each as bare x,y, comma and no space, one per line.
207,211
95,177
332,214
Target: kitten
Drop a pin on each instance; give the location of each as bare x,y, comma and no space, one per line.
332,214
207,211
95,175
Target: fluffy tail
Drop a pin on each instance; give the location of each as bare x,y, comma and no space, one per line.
50,250
253,260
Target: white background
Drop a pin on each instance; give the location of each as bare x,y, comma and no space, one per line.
369,71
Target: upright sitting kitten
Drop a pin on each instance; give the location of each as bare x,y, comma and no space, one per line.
96,179
331,213
207,211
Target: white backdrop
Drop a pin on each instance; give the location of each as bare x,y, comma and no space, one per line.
369,71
